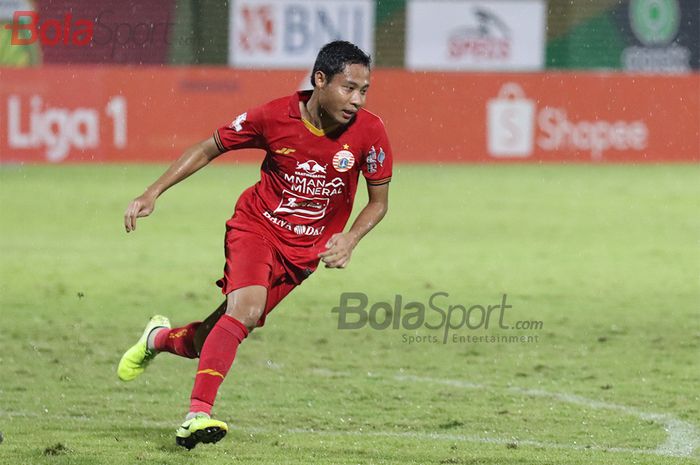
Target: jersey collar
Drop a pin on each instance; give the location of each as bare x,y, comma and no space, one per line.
299,96
294,112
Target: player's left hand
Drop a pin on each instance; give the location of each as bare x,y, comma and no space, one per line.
338,250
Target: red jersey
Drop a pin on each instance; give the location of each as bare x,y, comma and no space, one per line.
308,179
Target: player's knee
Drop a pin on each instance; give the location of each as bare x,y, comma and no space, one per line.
248,314
247,305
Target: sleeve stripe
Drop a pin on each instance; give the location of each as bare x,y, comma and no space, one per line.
217,139
378,182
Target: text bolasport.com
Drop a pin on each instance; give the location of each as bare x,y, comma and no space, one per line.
105,31
445,323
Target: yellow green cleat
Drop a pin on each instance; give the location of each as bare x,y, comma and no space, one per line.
136,359
201,428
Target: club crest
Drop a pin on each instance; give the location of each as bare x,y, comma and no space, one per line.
343,161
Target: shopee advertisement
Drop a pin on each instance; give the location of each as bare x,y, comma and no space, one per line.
510,122
540,117
123,114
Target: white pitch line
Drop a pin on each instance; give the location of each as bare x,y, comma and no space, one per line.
682,437
682,440
149,423
383,434
450,437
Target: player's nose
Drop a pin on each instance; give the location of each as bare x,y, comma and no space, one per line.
357,99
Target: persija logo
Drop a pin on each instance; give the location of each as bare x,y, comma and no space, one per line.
51,31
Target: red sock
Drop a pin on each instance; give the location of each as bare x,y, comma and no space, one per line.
216,359
178,341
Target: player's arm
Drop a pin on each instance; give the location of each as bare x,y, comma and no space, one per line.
192,160
340,246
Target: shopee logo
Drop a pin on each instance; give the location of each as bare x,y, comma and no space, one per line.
596,137
516,127
51,31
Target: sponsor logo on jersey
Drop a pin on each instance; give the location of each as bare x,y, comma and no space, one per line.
302,206
309,178
285,151
343,161
314,186
304,230
298,229
312,167
373,159
237,123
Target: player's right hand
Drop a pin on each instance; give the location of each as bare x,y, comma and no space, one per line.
139,207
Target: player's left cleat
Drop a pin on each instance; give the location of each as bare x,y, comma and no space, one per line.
201,428
136,359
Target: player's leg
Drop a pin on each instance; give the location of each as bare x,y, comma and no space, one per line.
178,341
207,325
282,285
137,357
254,282
245,307
185,341
276,293
160,337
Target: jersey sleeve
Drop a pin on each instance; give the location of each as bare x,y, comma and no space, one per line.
377,163
244,132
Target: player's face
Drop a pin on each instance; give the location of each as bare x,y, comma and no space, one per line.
344,94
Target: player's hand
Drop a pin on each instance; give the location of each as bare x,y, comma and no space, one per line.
338,250
139,207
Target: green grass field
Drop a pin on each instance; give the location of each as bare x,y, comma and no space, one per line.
606,257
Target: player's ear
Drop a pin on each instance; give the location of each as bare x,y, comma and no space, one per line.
320,78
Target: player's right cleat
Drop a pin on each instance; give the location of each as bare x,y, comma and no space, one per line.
201,428
136,359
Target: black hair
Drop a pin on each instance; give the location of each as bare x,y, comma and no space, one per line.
334,56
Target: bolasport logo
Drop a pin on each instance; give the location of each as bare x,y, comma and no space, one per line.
435,321
516,127
105,31
27,28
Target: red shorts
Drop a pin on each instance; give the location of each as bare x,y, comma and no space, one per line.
252,260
